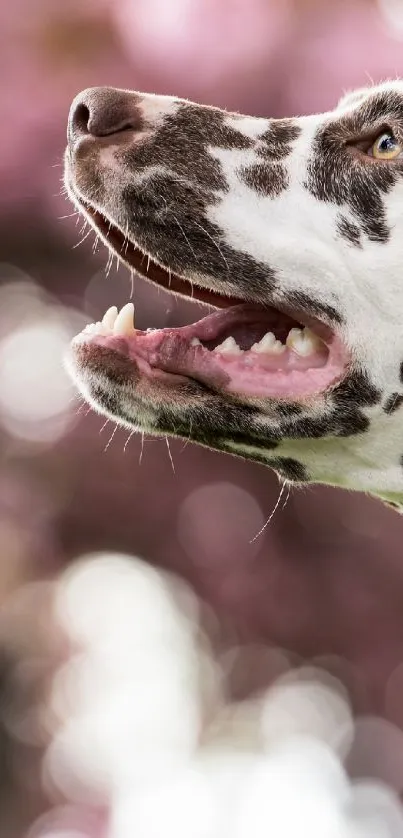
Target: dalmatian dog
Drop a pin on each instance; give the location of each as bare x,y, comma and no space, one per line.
291,231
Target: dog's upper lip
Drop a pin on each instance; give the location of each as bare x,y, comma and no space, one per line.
146,265
150,269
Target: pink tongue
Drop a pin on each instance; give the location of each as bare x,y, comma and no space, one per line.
262,375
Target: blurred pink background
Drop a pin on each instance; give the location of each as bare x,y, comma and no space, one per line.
324,580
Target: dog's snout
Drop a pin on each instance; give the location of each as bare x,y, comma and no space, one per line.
103,111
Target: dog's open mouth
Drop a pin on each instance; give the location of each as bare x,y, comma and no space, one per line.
243,348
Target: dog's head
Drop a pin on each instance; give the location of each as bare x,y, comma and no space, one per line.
293,230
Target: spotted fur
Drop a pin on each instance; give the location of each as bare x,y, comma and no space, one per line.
271,211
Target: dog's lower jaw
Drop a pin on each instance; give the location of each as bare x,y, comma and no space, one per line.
357,458
355,464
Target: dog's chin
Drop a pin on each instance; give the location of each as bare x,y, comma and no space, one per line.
243,350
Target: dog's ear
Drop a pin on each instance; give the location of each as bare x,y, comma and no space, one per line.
352,98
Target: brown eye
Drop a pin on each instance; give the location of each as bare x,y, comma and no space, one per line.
385,147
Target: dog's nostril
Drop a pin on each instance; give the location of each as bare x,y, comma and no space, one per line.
102,111
80,120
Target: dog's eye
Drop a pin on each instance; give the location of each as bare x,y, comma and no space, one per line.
386,147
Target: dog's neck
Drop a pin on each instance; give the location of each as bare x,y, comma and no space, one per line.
370,463
386,475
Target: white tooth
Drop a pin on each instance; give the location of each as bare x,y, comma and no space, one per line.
267,341
269,344
278,348
295,341
303,342
109,317
309,335
195,342
124,323
229,347
101,329
293,335
98,328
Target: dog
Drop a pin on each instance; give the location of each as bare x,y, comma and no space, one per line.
292,229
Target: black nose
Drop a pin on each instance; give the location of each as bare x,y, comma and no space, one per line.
101,111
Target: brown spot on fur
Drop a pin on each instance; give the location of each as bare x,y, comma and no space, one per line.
393,403
275,143
269,179
290,469
349,231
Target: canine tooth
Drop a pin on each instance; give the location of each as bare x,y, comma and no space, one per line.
195,342
303,342
124,323
269,344
109,317
229,346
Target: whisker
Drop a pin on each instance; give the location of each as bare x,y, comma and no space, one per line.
287,497
69,215
215,245
109,263
273,512
83,239
142,448
111,438
185,237
188,439
128,440
81,407
170,454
